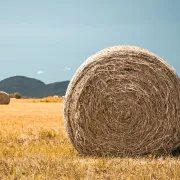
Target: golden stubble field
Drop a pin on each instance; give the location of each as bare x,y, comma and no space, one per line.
34,145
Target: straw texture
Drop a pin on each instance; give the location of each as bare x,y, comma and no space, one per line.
4,98
123,101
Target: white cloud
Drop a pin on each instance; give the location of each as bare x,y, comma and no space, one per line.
40,72
67,69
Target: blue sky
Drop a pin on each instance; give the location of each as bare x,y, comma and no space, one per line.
49,39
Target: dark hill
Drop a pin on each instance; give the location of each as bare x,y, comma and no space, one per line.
32,87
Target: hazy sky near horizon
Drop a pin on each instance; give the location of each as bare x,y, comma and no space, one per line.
50,39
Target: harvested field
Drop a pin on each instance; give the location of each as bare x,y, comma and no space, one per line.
34,145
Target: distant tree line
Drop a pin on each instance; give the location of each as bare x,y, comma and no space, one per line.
15,95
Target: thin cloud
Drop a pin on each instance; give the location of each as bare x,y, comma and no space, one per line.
67,68
40,72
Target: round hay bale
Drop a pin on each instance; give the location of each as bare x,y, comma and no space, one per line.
4,98
123,101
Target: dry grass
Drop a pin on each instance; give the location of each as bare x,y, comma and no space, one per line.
34,145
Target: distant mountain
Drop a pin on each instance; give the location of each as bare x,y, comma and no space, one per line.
31,87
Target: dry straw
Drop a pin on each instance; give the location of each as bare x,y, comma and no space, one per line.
4,98
123,101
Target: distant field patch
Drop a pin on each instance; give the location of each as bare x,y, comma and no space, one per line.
50,99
